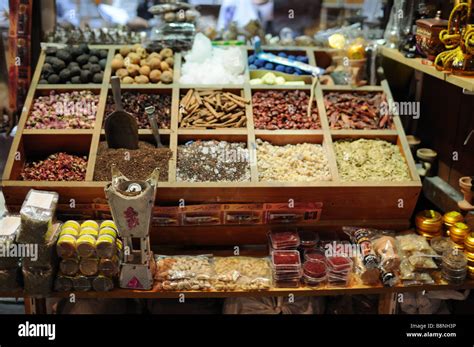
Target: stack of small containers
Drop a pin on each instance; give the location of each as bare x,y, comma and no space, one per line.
451,218
315,267
469,252
286,262
454,266
429,224
90,256
458,233
339,270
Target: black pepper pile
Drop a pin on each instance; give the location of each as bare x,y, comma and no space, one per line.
213,161
135,104
135,164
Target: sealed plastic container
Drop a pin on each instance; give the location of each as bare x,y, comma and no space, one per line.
314,254
90,224
314,282
69,266
109,267
339,263
280,240
66,246
82,283
102,284
315,268
89,266
46,252
105,246
108,224
309,239
71,224
63,283
286,258
85,246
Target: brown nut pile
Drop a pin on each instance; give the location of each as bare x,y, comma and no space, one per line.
211,109
137,164
134,65
57,167
356,111
135,104
274,110
213,161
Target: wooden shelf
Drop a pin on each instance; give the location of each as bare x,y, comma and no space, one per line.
466,83
301,291
351,200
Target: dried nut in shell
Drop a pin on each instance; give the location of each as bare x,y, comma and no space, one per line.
141,52
145,70
154,55
141,79
117,63
124,51
135,47
128,80
154,63
169,61
164,66
134,58
155,76
166,52
121,73
133,70
166,77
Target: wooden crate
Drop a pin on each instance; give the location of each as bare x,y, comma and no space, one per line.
344,202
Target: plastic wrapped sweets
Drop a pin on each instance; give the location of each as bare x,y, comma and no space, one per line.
184,272
242,273
37,214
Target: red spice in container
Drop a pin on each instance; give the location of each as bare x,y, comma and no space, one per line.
314,268
284,239
286,258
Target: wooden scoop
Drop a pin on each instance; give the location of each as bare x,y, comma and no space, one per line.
121,129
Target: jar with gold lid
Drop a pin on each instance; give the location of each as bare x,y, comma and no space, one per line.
458,233
451,218
429,223
469,243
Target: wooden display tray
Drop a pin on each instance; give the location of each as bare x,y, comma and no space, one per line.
342,201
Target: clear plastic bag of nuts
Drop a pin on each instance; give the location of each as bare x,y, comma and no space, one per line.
184,272
241,273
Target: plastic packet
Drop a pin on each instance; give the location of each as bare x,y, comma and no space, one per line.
46,256
242,273
9,279
413,243
385,246
422,261
184,272
37,214
38,282
361,237
9,229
